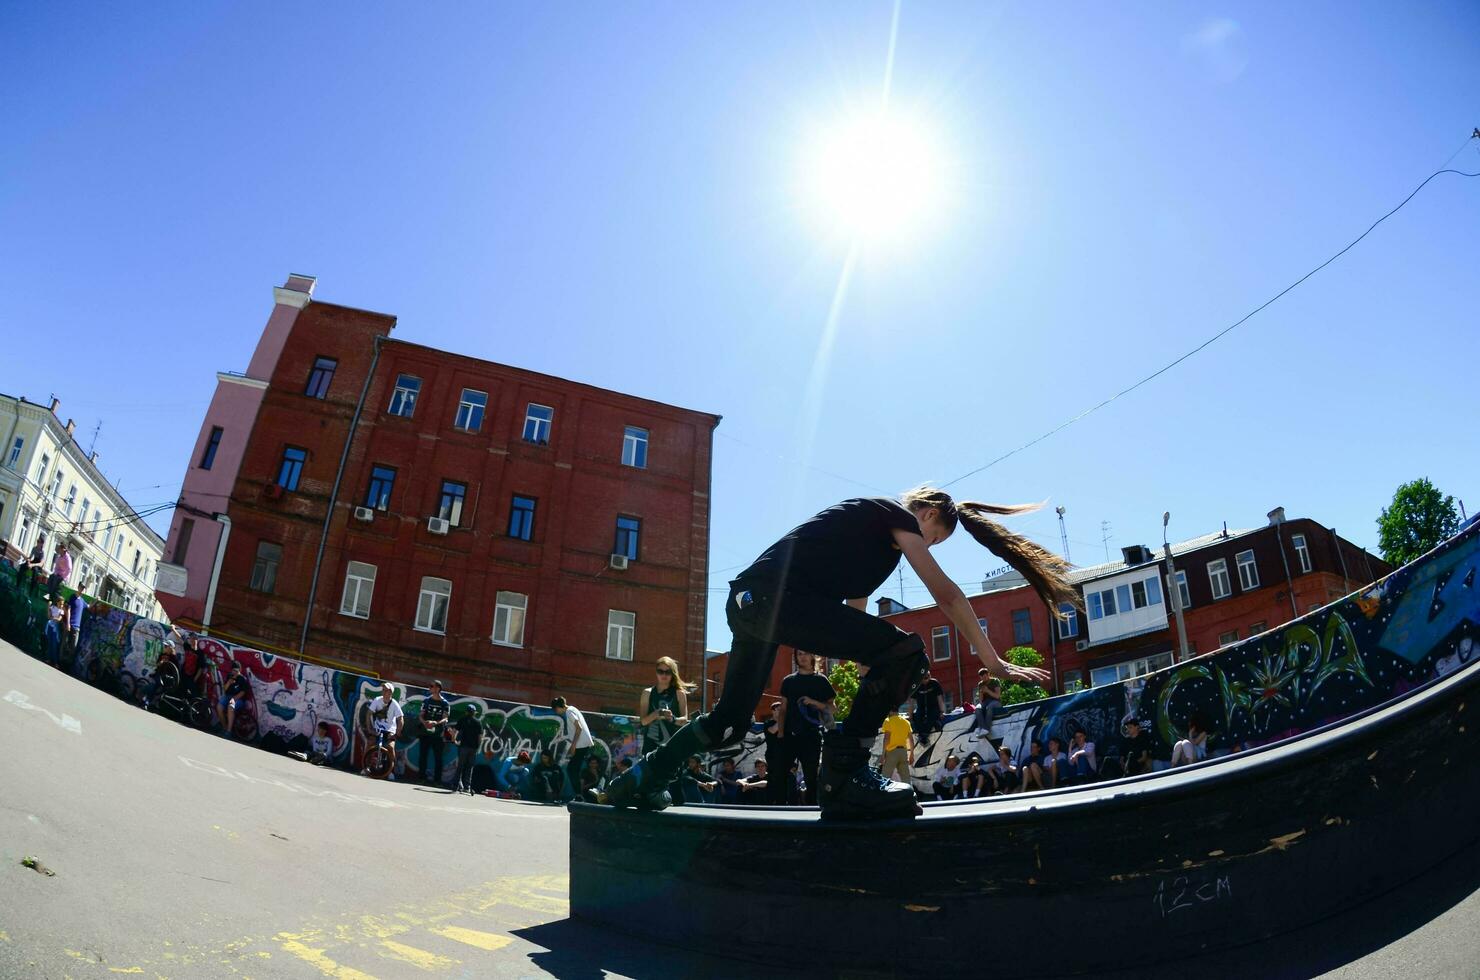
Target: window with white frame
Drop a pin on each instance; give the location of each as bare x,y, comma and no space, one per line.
41,470
1302,553
15,451
1101,604
1069,625
940,643
983,624
621,634
86,509
431,605
1131,668
537,422
1248,572
635,447
1226,638
508,619
1183,593
1218,579
403,398
359,587
470,410
71,500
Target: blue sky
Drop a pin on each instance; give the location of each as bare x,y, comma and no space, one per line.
611,195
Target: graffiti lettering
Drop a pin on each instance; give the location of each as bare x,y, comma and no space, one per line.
1186,892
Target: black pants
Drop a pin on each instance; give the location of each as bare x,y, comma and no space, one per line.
801,747
574,765
821,626
466,757
431,752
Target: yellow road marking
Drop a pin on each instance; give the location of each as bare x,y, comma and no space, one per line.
125,969
483,940
420,958
317,958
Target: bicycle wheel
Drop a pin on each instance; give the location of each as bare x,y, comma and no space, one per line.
378,762
198,713
168,673
244,726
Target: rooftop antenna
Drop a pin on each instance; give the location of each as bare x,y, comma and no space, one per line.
94,444
1105,537
1064,534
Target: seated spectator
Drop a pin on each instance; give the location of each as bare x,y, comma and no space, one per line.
947,782
1031,771
1005,777
696,785
515,777
755,787
1055,763
973,777
1082,765
547,780
1135,749
989,705
729,782
321,746
1193,748
593,780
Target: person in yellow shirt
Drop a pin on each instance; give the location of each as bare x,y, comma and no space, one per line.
899,754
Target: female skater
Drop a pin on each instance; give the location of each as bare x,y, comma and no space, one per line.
808,591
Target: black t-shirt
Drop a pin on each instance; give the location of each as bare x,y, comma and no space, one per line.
433,711
845,552
469,731
1131,748
38,555
794,687
237,687
926,697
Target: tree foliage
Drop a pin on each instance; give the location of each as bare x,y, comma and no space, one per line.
1016,692
844,678
1417,520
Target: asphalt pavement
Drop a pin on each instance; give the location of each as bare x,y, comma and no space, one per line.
166,852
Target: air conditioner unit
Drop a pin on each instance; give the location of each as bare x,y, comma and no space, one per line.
273,491
364,514
1081,645
437,525
619,562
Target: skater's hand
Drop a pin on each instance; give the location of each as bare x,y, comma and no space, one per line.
1035,674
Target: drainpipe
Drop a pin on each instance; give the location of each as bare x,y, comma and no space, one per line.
1289,582
956,643
205,619
1346,582
318,561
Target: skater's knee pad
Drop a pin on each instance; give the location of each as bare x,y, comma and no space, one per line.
899,670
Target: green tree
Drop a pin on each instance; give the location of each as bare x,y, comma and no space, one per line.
844,678
1016,692
1418,519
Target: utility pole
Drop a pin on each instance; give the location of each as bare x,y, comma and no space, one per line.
1174,592
1105,538
1063,533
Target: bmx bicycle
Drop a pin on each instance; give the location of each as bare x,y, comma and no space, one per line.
380,758
173,696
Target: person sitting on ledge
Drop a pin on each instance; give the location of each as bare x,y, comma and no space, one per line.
547,779
1005,775
809,591
1055,762
973,777
1031,770
729,782
947,784
755,788
1193,748
696,784
1082,765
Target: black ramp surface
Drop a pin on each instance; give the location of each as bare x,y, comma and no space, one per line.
1215,856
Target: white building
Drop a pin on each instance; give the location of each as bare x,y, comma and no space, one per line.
48,485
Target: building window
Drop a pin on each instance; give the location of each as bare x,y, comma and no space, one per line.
107,538
1256,628
86,509
1153,590
1022,627
537,421
1248,572
1101,604
621,634
291,467
940,643
431,606
1123,598
508,619
382,482
629,530
1301,552
359,586
41,470
450,506
521,518
1131,668
470,410
213,443
1218,578
1226,638
1073,681
1182,592
634,447
182,543
71,500
265,568
320,377
15,452
1069,625
1138,594
403,398
982,623
118,546
56,483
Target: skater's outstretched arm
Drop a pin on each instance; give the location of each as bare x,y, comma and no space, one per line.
952,601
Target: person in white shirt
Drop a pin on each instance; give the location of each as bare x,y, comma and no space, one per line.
1055,763
386,716
578,736
947,778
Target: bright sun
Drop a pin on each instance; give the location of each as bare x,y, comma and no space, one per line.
875,176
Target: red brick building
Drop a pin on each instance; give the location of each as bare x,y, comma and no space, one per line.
427,514
1237,584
